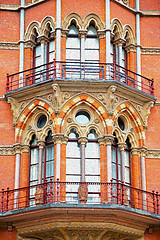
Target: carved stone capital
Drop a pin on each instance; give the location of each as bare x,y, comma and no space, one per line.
59,138
30,44
101,141
143,151
130,48
122,146
43,39
17,148
82,33
64,33
101,34
25,148
119,42
108,139
135,151
82,140
41,144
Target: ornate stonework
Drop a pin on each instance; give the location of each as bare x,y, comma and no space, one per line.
7,150
9,45
150,50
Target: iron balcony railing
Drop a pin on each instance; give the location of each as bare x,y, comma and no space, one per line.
79,71
79,193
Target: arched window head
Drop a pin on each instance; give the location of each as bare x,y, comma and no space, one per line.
33,142
92,45
49,137
92,135
73,134
73,30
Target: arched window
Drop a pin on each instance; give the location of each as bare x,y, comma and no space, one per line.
117,162
34,162
73,45
73,158
92,45
48,158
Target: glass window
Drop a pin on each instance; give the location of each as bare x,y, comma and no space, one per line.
82,117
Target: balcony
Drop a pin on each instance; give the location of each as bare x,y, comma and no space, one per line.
99,72
115,195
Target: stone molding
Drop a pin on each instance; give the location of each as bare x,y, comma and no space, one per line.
9,45
10,149
150,50
7,150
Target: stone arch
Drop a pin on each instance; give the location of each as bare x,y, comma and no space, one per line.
69,18
47,22
119,135
133,116
31,30
96,128
45,131
116,28
132,140
128,35
92,103
29,136
28,112
76,127
99,25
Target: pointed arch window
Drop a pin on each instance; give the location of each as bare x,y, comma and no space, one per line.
92,45
48,158
34,161
73,45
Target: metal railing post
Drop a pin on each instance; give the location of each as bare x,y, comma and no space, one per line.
2,198
7,83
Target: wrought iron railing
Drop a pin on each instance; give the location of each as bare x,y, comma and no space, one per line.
80,193
79,71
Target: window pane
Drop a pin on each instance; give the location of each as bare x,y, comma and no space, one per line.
73,150
92,43
91,31
73,43
34,155
113,154
72,54
119,156
92,54
34,172
127,158
38,51
72,166
114,173
127,175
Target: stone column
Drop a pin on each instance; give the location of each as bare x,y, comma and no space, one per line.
17,148
108,31
24,166
41,145
123,160
21,42
63,169
82,35
103,169
57,138
143,151
108,142
138,48
135,168
83,141
58,36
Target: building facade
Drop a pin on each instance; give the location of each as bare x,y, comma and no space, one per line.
79,122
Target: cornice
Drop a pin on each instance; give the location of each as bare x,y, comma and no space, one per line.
9,45
153,153
7,150
150,50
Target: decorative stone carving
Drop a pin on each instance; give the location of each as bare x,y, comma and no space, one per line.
57,97
7,150
146,111
15,109
110,101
